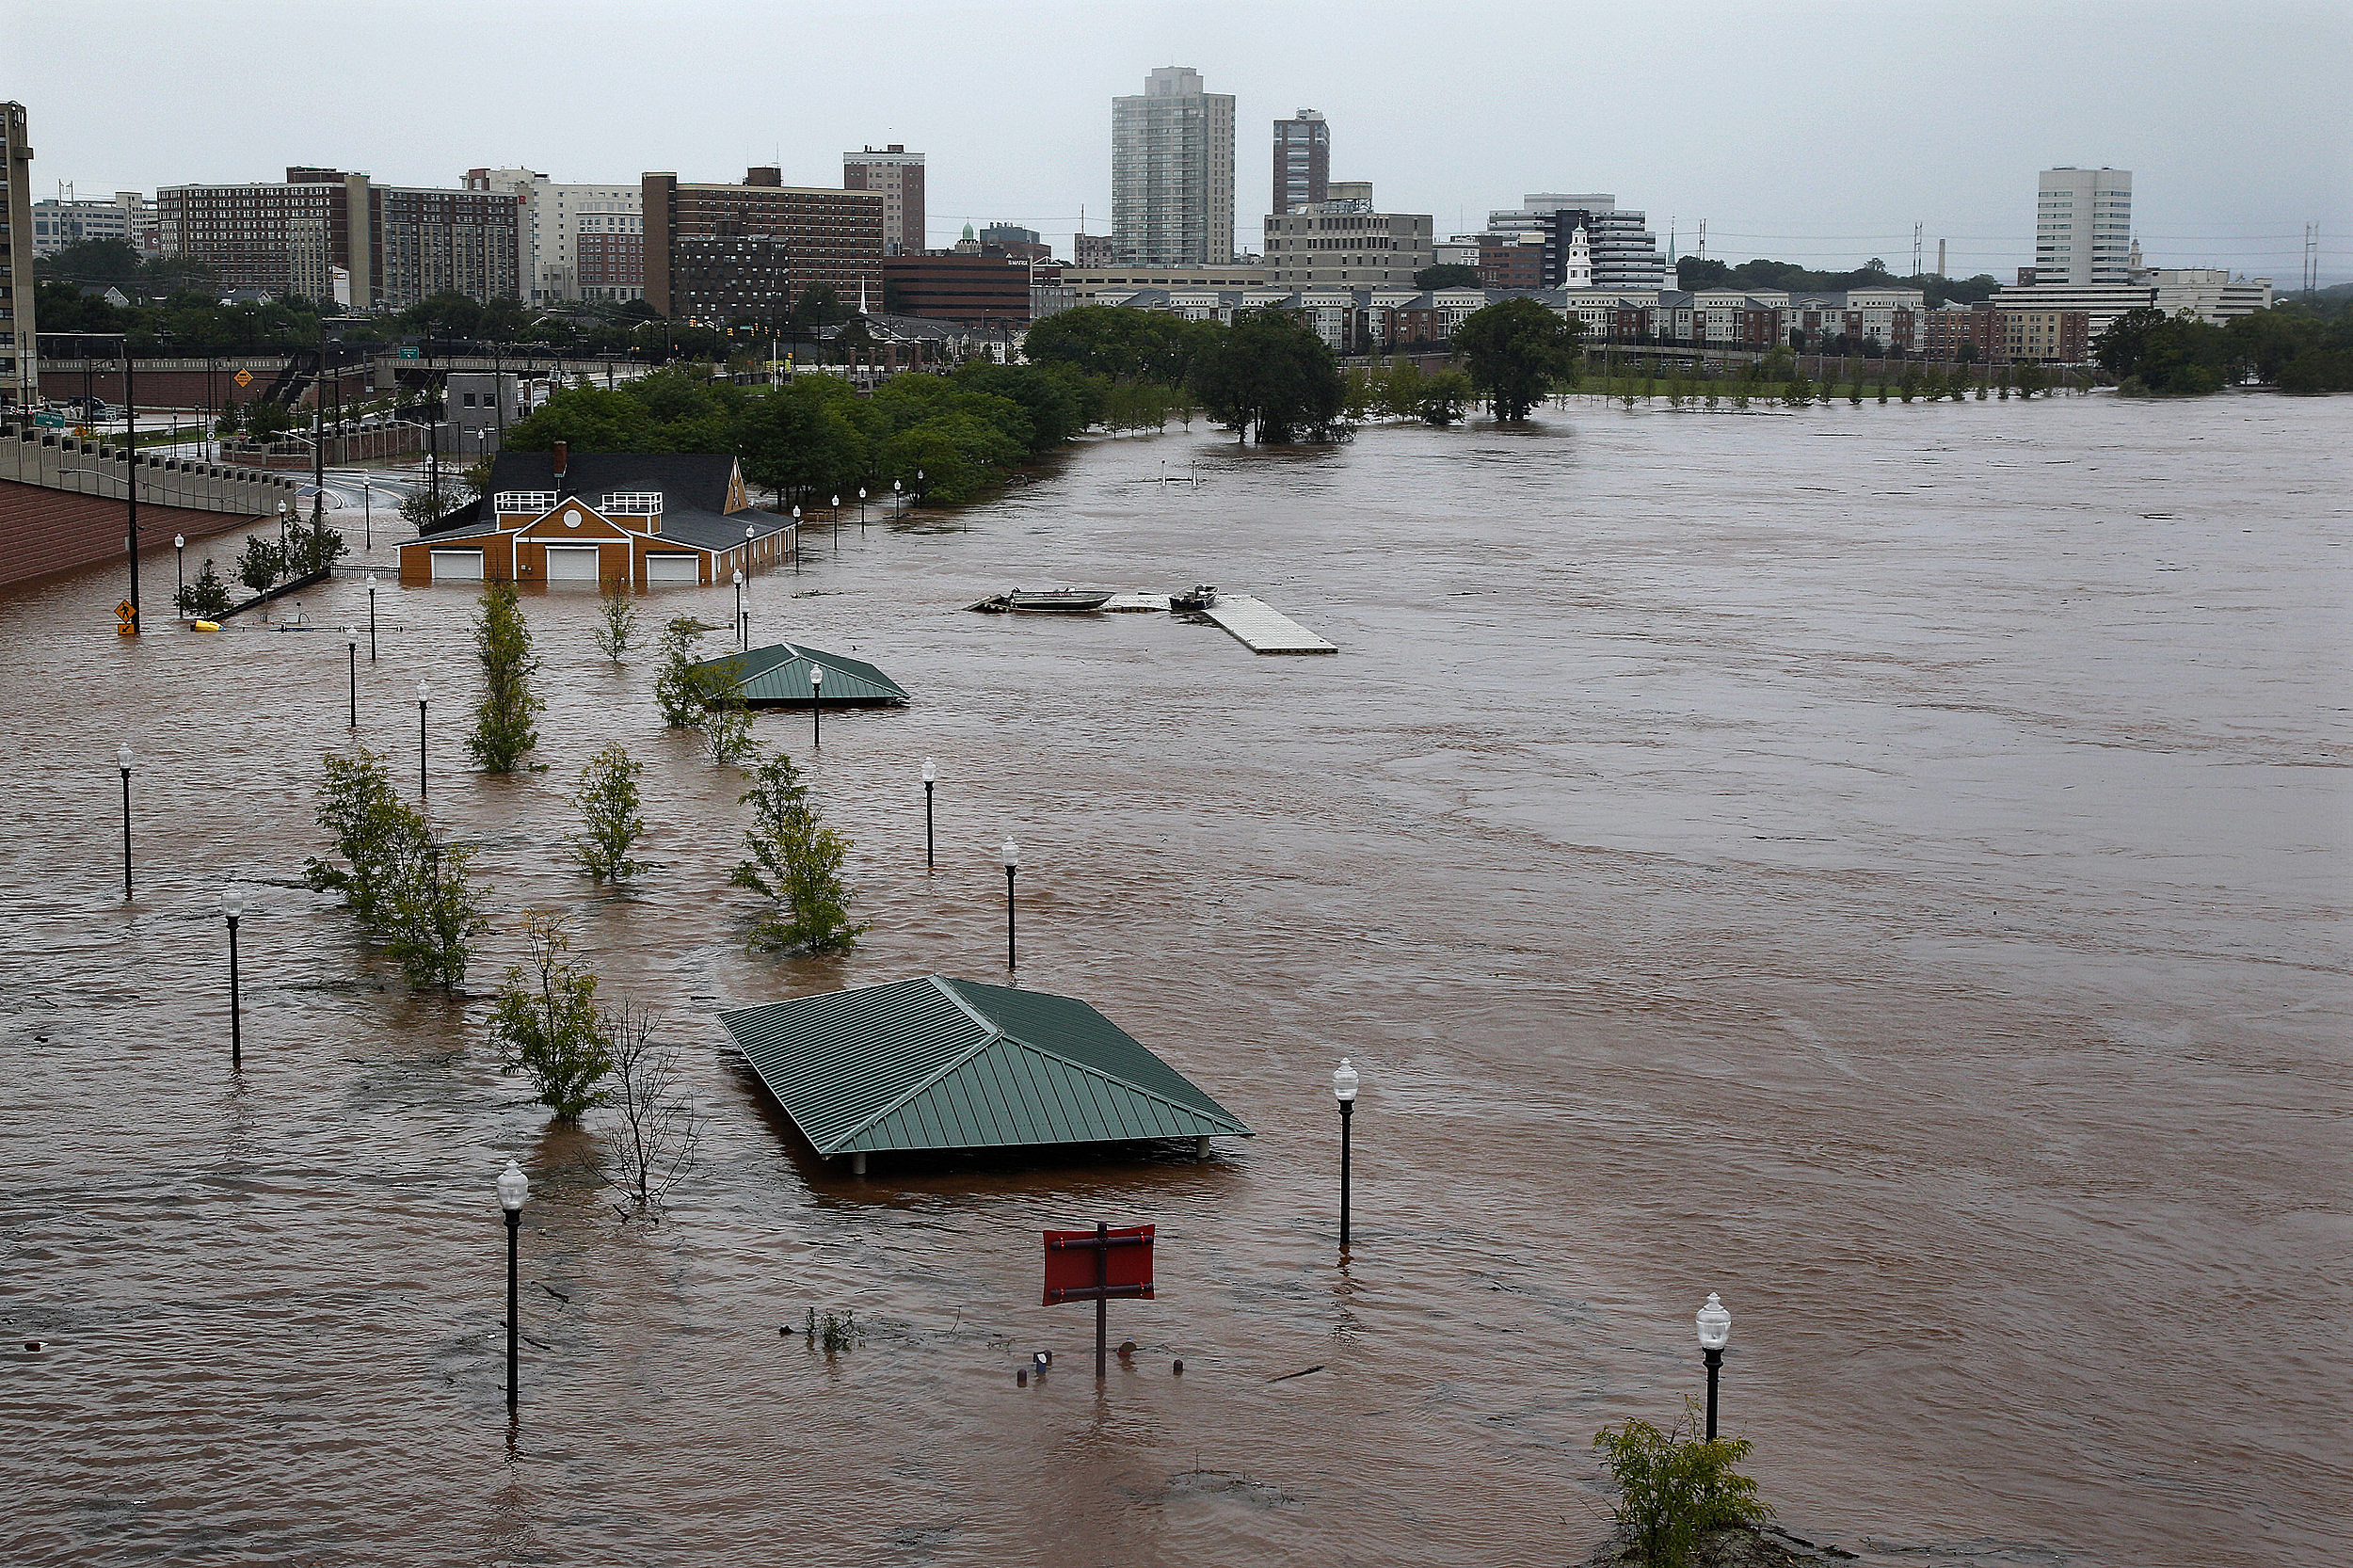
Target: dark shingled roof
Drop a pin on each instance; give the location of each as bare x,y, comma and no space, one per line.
939,1063
691,483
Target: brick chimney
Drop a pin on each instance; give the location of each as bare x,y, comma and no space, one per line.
562,460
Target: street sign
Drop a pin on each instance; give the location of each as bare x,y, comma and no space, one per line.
129,617
409,352
242,379
1095,1266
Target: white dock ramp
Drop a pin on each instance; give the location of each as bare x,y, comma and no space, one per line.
1262,629
1137,602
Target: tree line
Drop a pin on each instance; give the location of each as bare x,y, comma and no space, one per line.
2294,347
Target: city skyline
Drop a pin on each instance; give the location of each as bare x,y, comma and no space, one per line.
1830,169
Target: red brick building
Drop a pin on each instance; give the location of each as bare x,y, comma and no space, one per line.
1510,264
718,254
1948,329
948,287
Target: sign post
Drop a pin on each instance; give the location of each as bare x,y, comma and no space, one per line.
1096,1265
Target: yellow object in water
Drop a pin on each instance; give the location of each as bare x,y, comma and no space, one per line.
208,625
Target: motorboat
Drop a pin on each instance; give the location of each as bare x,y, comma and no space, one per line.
1057,600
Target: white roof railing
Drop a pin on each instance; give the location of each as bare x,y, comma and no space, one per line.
634,502
532,502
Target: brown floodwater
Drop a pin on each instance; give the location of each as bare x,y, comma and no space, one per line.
1886,865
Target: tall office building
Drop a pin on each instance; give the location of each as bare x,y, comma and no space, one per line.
1302,163
64,220
898,175
1173,173
2083,230
722,254
19,354
576,242
1624,252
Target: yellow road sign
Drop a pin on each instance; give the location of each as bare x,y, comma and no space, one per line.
242,379
129,617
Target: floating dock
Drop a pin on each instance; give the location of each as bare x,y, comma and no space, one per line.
1262,629
1137,602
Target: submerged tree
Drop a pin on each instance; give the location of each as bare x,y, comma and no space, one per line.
395,878
650,1144
610,818
616,622
502,731
1672,1488
547,1025
678,689
207,597
1517,351
795,864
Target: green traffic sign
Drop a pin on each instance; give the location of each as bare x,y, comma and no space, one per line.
410,353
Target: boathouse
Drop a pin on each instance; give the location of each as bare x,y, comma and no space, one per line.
779,676
932,1064
650,519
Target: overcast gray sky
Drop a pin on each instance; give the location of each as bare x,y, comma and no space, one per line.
1806,132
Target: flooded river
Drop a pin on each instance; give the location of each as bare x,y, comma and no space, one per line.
1885,865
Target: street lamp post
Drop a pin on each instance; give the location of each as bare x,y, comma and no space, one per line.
351,644
1715,1326
1344,1082
861,506
424,693
1013,862
919,486
739,612
123,760
816,723
232,906
513,1188
747,547
180,565
894,500
371,617
930,774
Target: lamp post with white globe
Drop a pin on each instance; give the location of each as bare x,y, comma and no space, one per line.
1012,863
816,723
930,775
123,760
513,1188
232,906
1715,1326
424,694
1344,1080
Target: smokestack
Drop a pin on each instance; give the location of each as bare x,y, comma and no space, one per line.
563,460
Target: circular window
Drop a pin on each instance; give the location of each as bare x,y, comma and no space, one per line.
571,517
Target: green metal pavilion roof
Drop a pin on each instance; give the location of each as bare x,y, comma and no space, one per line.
778,674
939,1063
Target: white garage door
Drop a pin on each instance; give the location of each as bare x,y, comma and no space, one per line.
457,566
571,562
671,567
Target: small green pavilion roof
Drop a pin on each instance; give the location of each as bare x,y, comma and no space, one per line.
778,674
939,1063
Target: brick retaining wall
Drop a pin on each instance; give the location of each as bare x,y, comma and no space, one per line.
44,532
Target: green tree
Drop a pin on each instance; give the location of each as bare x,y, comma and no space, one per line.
616,621
678,689
1517,352
1402,390
1447,274
547,1025
1445,396
1673,1488
722,717
261,564
503,733
207,597
1272,372
610,819
435,913
395,877
794,863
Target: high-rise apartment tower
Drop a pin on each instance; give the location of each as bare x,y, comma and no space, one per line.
898,175
20,352
1173,173
1302,162
2083,230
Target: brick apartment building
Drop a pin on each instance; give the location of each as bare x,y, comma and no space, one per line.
398,243
1510,264
1944,332
898,174
717,255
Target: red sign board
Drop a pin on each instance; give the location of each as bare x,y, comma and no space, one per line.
1093,1265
